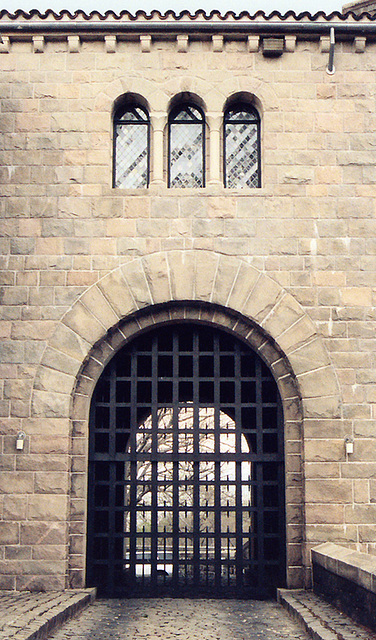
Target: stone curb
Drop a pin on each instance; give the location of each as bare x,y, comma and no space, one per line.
319,619
38,619
307,620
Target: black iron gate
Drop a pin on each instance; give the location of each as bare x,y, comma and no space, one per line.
186,473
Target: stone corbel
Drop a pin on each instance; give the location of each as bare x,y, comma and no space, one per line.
360,44
290,44
145,41
38,44
110,44
182,42
4,44
253,44
217,41
325,44
73,44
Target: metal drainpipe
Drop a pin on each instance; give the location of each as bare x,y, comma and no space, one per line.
331,68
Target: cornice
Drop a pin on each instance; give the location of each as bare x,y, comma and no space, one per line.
125,25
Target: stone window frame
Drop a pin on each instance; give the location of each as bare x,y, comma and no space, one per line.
241,104
127,103
178,106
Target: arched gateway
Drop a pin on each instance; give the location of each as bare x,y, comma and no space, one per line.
202,288
186,468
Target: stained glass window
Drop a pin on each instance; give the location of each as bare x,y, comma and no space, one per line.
242,147
186,147
131,148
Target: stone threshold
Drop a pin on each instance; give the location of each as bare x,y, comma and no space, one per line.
34,615
319,619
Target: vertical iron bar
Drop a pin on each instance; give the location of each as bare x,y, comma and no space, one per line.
154,465
239,543
133,473
281,493
143,557
207,561
90,573
196,464
111,506
217,469
259,480
176,462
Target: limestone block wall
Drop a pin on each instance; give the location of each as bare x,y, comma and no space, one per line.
309,232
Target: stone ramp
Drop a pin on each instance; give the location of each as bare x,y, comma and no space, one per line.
33,615
321,620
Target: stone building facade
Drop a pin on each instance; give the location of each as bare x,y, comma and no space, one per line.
364,6
288,264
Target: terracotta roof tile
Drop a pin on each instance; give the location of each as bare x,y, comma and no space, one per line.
170,15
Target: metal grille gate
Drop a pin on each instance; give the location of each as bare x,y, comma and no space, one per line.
186,473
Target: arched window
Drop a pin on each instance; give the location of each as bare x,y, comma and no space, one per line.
241,147
186,147
131,147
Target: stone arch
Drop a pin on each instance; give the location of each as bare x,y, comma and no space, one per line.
105,99
186,96
185,85
130,99
162,287
214,94
263,94
185,275
245,97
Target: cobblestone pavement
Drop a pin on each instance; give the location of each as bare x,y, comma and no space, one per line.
175,619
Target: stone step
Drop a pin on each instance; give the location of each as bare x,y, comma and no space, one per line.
32,616
321,620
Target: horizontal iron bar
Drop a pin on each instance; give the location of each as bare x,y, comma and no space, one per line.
187,457
182,510
183,456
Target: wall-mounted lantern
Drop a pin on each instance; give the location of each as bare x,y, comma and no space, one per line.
20,440
349,445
